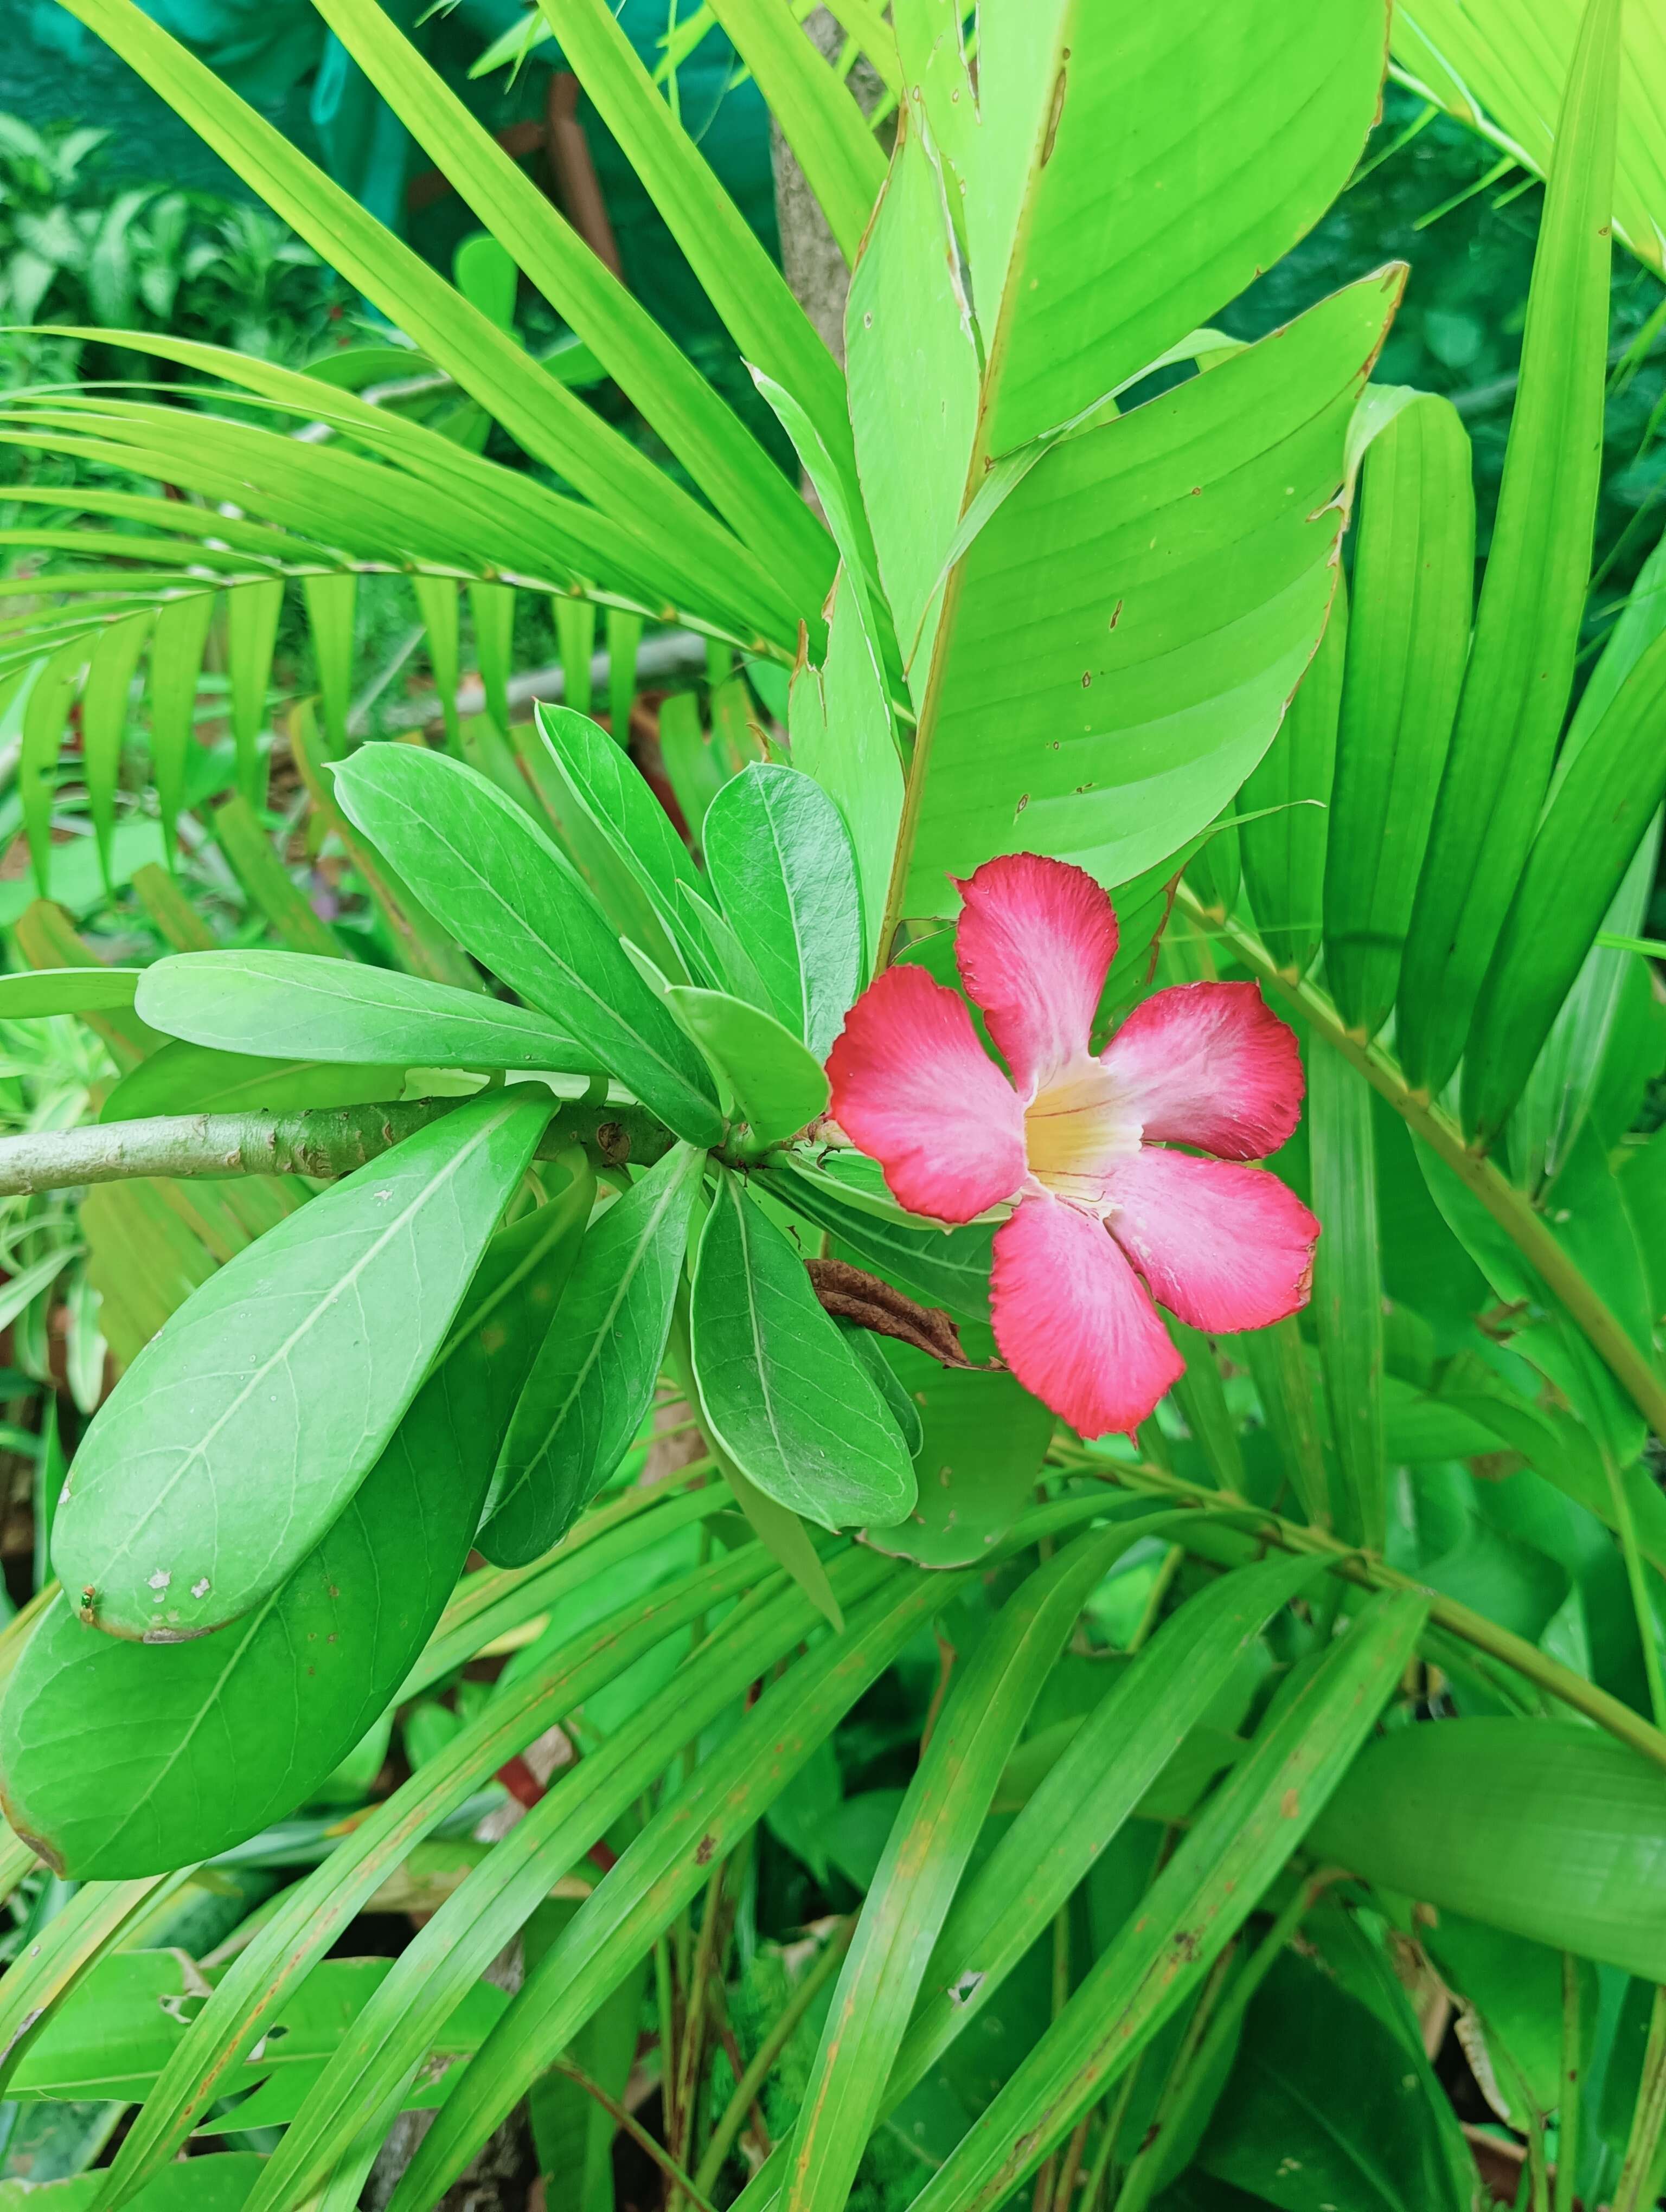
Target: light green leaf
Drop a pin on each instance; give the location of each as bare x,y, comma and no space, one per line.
781,1391
780,862
818,118
505,893
1413,583
1284,853
177,639
979,1458
593,1379
253,613
778,1088
106,707
1182,556
332,602
241,1431
721,456
1596,820
1533,598
93,989
216,1737
284,1005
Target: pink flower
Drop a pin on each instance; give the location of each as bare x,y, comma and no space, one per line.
1082,1143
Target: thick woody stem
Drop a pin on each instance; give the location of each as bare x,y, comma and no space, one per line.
323,1142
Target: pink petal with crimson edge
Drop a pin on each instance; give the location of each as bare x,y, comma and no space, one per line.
1210,1064
1073,1322
1224,1246
1035,943
915,1089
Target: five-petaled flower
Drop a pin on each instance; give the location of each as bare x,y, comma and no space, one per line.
1084,1143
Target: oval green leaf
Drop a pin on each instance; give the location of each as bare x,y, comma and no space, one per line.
779,857
241,1431
779,1086
67,991
505,892
593,1379
214,1738
781,1391
289,1005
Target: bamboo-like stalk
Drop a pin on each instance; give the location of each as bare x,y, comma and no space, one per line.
1510,1208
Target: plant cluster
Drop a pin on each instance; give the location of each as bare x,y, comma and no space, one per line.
1027,1340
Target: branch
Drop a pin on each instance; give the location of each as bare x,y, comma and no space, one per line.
323,1142
1512,1209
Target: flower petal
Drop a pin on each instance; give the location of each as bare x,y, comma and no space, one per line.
915,1089
1224,1246
1210,1064
1034,943
1073,1322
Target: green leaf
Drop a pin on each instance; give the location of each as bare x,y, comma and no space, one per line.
194,1079
554,425
331,604
979,1458
283,1004
1597,815
819,116
780,862
1278,1360
778,1087
1546,1828
926,1854
505,893
592,1382
1348,1289
92,989
106,705
247,845
1533,598
1321,2108
1284,852
316,1912
61,1953
377,2057
670,1862
177,639
780,1390
946,1268
735,272
1185,552
214,1738
1413,585
241,1431
252,613
194,2185
913,428
786,1540
641,860
721,456
1216,1878
844,736
1492,68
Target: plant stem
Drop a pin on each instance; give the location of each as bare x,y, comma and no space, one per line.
1472,1628
1635,2189
1510,1208
321,1142
665,2004
782,2032
638,2134
1567,2109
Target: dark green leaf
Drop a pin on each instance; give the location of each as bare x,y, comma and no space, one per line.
593,1379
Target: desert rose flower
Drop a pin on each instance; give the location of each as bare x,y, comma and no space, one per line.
1108,1216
